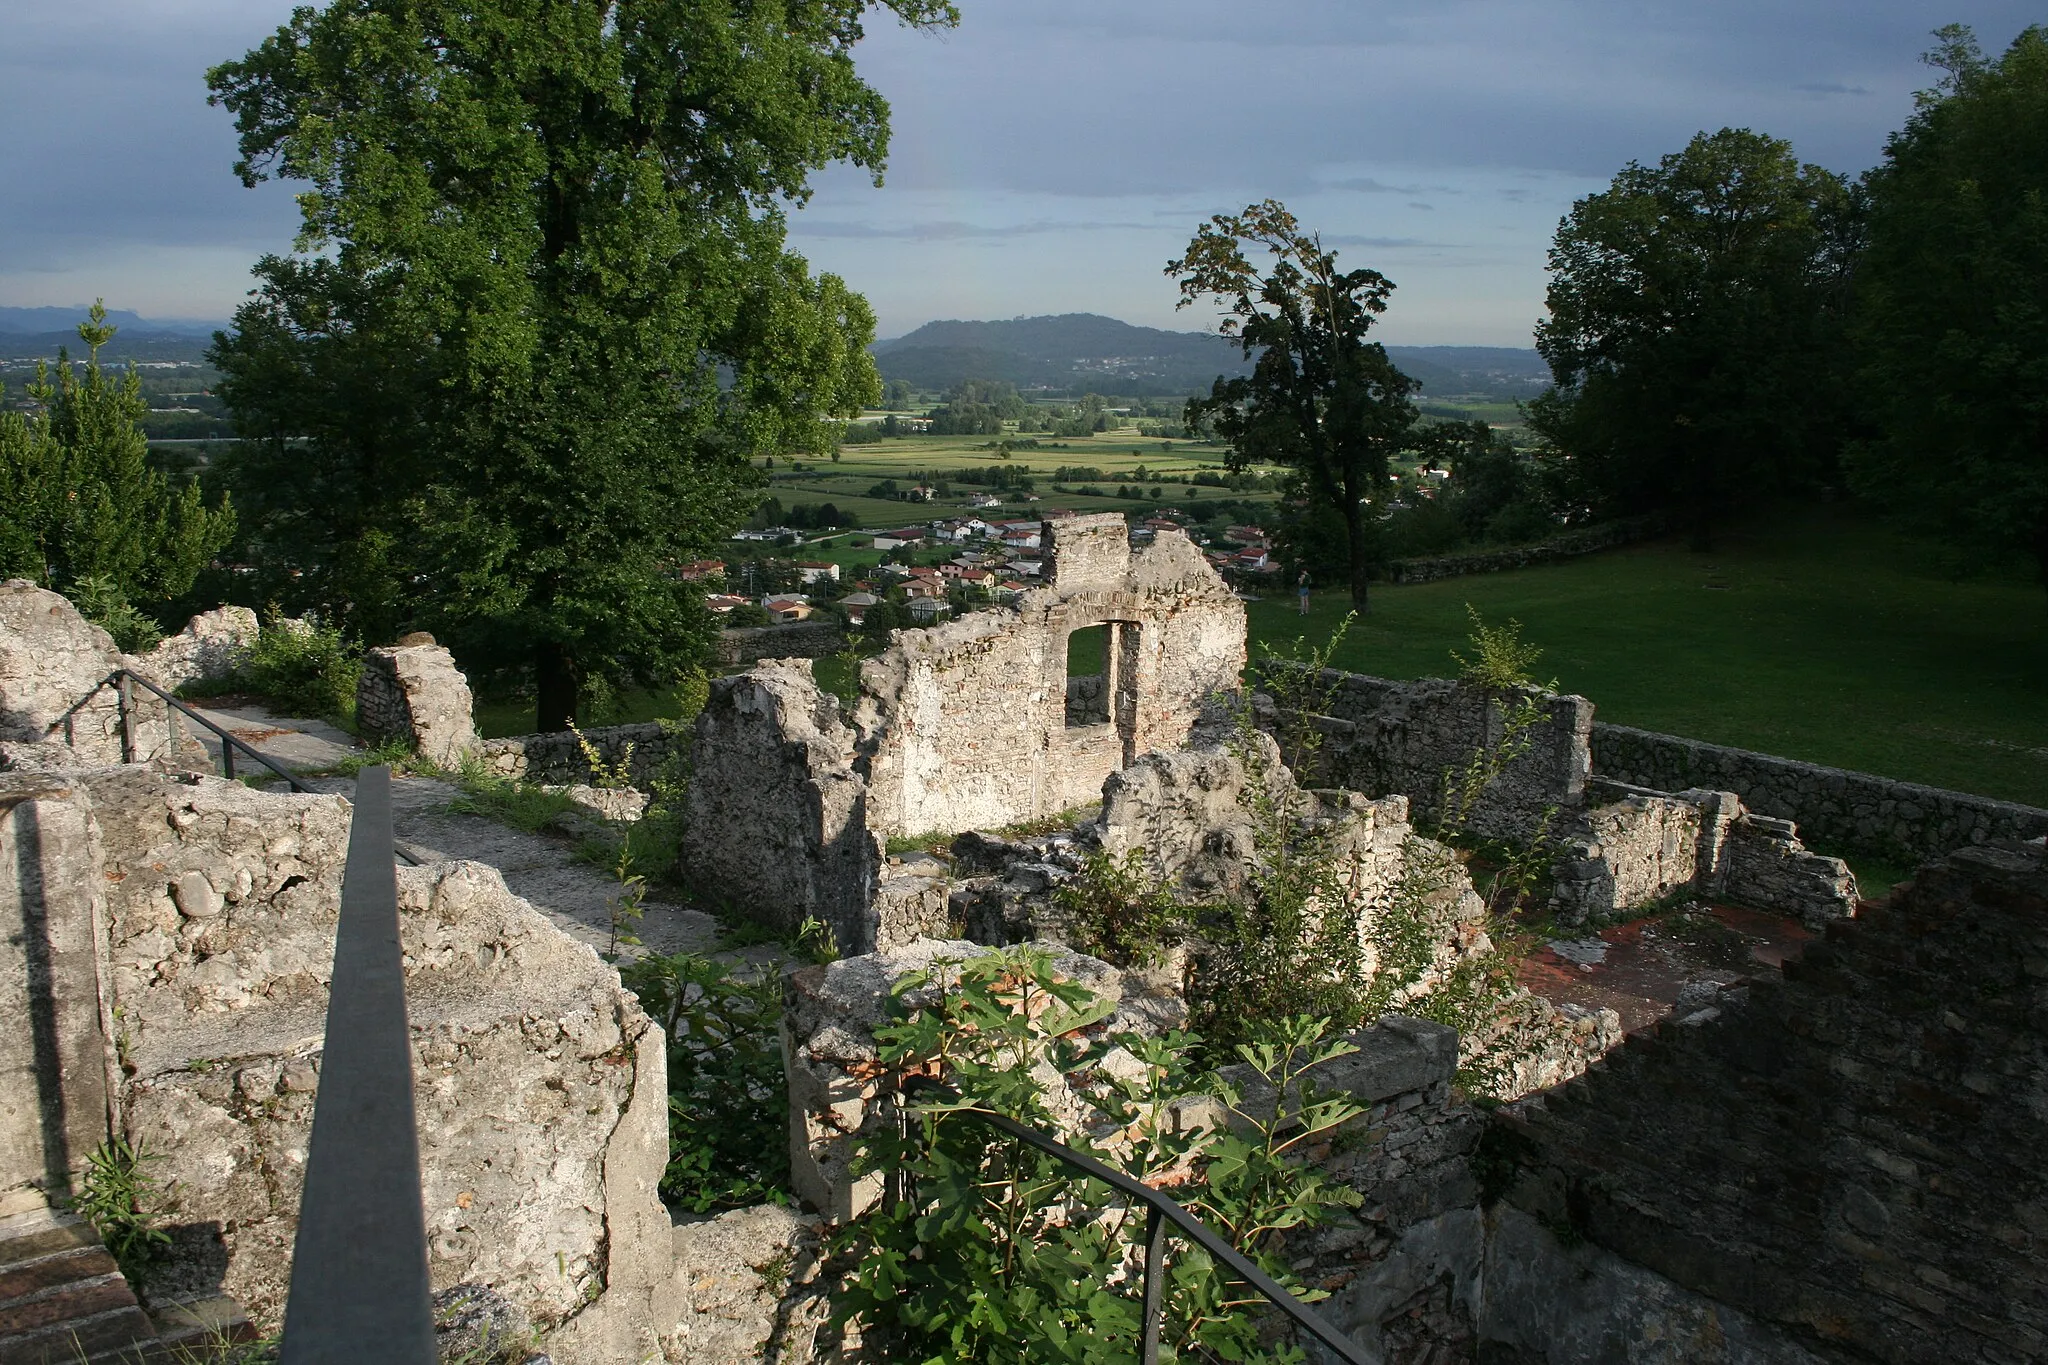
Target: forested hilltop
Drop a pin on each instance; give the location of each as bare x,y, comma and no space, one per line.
1087,352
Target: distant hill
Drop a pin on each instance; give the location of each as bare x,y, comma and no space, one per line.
36,321
1080,352
39,333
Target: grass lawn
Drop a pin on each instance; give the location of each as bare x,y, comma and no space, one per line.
1815,637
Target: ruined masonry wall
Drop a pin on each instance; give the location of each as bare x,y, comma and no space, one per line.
56,707
540,1084
1383,737
416,694
1837,807
1849,1161
557,758
965,724
777,815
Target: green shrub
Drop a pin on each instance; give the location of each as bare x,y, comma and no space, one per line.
728,1100
1001,1253
1115,910
99,599
304,668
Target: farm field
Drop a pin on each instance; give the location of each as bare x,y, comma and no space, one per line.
845,482
1816,637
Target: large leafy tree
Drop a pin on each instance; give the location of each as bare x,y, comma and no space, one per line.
79,498
1321,399
541,315
1695,310
1953,304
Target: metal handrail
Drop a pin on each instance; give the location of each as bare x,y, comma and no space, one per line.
229,742
359,1288
1160,1210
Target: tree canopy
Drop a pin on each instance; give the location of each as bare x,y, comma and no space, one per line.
1694,310
81,497
1952,329
541,316
1321,399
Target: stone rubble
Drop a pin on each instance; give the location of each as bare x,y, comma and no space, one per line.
208,649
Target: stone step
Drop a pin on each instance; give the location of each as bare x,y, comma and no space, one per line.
63,1301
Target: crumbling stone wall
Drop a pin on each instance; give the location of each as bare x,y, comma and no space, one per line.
1570,545
57,708
964,725
777,816
416,694
961,726
793,640
206,649
540,1084
1649,845
836,1091
1382,737
1841,1169
1843,809
645,751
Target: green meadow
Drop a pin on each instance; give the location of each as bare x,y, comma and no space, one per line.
1818,637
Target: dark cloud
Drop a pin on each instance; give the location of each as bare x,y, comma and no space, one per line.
949,231
1831,88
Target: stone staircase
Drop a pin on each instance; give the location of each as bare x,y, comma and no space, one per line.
64,1302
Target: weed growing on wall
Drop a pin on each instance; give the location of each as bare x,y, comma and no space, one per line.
1115,910
728,1102
1500,660
124,1201
609,776
994,1251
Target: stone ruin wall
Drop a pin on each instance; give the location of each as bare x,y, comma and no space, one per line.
778,821
1621,847
1380,736
959,726
195,920
1842,1167
1844,809
57,707
965,724
414,693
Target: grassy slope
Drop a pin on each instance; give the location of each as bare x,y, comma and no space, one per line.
1816,638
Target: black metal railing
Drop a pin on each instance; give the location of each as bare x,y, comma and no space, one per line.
1160,1211
124,681
359,1287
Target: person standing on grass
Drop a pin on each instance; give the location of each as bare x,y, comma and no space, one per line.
1301,587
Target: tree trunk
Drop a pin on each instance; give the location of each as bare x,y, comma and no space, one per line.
556,679
1354,549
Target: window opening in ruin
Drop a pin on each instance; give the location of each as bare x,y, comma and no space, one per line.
1102,672
1088,670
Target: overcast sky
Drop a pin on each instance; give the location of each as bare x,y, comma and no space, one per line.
1051,155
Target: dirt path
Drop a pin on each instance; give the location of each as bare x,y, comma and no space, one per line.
541,868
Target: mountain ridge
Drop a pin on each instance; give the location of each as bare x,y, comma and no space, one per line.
1077,351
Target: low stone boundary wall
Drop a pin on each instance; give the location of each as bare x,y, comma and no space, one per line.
1833,806
557,758
1570,545
798,640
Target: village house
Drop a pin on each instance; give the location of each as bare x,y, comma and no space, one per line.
723,602
702,569
787,606
812,571
909,537
856,605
